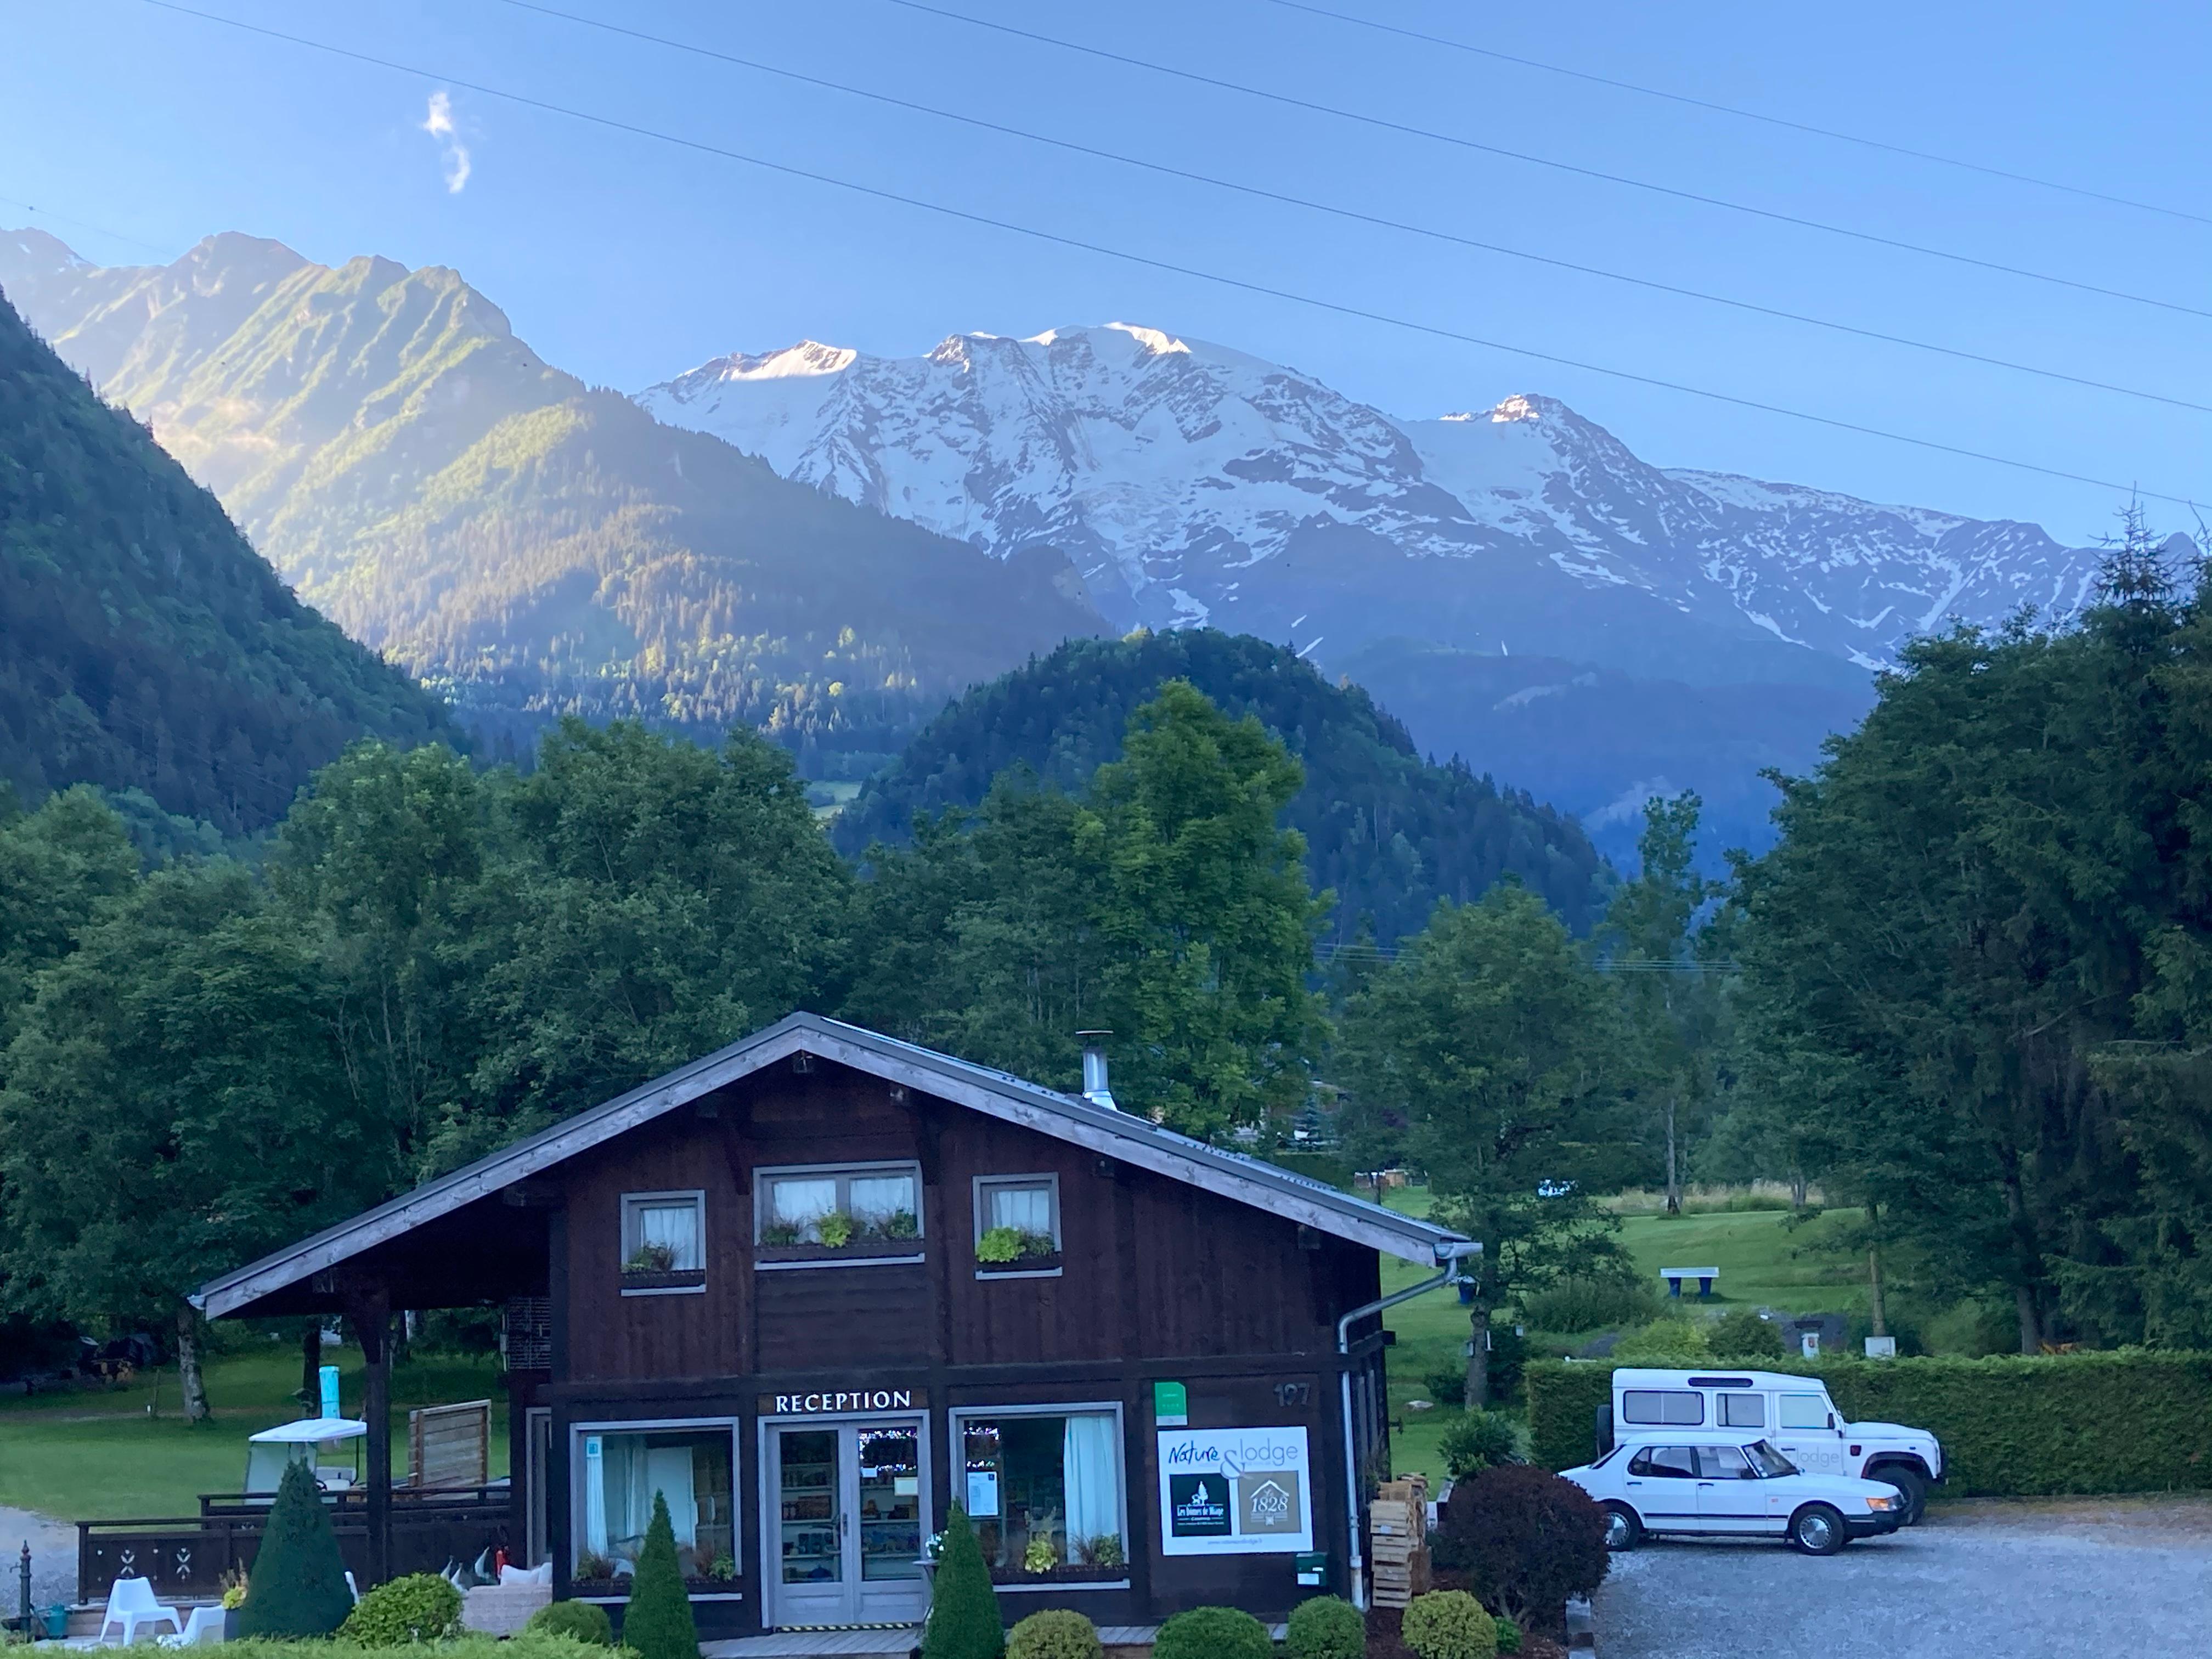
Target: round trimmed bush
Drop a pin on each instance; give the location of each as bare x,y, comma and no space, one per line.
1449,1624
1326,1627
585,1621
1054,1633
1213,1634
422,1607
1524,1540
1478,1441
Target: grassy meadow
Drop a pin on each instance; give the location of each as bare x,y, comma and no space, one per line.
1762,1263
125,1452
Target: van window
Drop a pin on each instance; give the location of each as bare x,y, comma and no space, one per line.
1804,1411
1679,1408
1743,1411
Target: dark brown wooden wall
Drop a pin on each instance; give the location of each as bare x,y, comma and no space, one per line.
1152,1267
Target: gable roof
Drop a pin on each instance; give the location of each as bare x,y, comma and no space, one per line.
1071,1118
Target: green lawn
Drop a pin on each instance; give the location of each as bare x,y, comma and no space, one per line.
102,1454
1762,1263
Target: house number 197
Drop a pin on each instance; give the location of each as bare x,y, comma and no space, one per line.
1293,1393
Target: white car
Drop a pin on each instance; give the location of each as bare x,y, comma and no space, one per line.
1710,1487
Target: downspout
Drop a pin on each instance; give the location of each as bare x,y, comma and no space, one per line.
1449,1271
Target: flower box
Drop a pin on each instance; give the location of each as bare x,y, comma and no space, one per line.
1067,1573
1019,1264
859,1249
644,1279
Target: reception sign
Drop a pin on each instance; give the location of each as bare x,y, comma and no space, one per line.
1234,1491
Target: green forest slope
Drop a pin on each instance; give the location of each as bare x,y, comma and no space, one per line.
1391,832
536,545
143,645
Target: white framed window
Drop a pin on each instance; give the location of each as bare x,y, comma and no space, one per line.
1017,1223
1743,1411
1803,1411
616,1470
1677,1408
1044,1488
664,1233
838,1205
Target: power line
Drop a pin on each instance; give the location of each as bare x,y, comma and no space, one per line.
1242,284
83,224
1351,214
1386,953
1742,114
1387,126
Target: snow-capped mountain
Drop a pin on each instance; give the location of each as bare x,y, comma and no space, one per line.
1190,482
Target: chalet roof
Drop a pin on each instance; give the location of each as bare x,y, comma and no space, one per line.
1072,1118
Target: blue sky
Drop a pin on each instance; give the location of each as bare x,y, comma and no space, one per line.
627,260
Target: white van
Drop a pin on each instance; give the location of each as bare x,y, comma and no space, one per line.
1792,1414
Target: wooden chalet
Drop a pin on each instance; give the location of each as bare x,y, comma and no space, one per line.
818,1287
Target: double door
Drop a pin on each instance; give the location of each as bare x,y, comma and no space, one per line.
847,1504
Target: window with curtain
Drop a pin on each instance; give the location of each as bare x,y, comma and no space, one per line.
618,1471
664,1232
1044,1489
1016,1219
867,1203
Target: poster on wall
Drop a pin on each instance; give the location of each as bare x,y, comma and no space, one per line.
1234,1491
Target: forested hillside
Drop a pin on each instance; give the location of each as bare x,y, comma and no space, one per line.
1388,832
143,645
534,545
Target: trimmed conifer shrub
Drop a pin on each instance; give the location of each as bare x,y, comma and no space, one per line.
963,1611
1326,1627
585,1621
298,1585
1213,1634
658,1624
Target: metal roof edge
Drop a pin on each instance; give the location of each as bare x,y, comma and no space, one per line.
1066,1117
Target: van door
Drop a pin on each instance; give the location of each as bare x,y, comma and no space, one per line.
1806,1432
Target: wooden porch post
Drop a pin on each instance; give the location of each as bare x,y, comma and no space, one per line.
370,1310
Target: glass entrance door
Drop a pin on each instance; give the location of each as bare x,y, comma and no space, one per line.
846,1506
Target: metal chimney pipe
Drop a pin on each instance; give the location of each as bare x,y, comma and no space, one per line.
1094,1070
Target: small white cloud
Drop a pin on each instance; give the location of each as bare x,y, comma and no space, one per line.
439,123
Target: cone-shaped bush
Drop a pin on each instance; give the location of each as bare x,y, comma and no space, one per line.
963,1612
298,1585
658,1624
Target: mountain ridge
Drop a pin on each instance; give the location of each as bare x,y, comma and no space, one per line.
1192,483
531,545
144,646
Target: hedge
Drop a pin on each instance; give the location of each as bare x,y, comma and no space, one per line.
2127,1421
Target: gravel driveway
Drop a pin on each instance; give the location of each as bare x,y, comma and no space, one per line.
2026,1579
53,1558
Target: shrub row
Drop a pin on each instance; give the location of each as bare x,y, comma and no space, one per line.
2068,1423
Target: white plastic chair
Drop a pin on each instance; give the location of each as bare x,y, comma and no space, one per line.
130,1603
205,1626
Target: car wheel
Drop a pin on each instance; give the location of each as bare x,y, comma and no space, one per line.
1911,1491
1623,1531
1818,1530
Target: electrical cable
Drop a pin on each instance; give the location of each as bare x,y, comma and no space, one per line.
1387,126
83,224
1352,214
1741,113
1242,284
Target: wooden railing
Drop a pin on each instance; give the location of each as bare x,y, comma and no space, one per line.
186,1558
